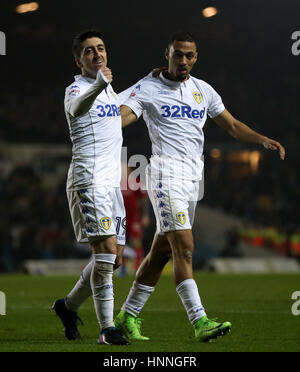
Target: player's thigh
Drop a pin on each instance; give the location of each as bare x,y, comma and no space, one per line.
181,240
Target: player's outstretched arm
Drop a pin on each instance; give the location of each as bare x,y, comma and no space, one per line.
243,133
128,116
82,104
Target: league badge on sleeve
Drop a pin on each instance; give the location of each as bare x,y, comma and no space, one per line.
105,222
198,97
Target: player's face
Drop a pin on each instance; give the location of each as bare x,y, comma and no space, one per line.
93,57
182,55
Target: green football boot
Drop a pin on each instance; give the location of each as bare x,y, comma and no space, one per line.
207,329
129,326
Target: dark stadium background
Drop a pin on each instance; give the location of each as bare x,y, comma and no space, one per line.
245,53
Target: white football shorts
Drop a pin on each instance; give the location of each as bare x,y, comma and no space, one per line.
174,203
98,212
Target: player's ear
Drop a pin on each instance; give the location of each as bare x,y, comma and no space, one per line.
78,63
167,54
196,57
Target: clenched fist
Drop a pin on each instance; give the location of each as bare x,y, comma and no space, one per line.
106,74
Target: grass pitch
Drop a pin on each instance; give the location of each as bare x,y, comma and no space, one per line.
258,306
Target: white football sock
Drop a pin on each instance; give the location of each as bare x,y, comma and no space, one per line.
138,296
102,288
189,295
82,289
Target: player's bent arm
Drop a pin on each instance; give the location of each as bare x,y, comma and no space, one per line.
243,133
128,116
83,103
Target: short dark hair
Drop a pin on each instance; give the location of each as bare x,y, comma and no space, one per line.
182,36
79,39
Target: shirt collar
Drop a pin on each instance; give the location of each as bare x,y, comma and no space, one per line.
172,83
90,80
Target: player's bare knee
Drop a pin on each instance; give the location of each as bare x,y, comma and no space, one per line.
184,253
104,244
181,238
188,255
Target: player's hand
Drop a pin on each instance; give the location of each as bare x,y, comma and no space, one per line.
107,74
270,144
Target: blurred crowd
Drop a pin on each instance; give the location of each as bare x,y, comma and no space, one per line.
35,220
269,194
20,121
265,199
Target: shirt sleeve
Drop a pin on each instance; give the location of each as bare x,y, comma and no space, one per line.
139,98
216,106
80,97
125,94
71,93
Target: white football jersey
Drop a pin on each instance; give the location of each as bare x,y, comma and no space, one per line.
96,137
175,113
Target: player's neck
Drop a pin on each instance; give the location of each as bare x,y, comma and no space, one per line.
169,76
88,75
